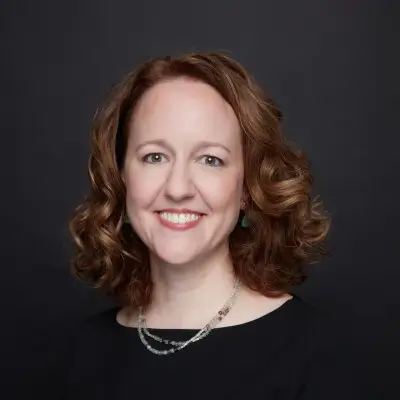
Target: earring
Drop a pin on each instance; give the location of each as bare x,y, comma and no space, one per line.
245,222
126,219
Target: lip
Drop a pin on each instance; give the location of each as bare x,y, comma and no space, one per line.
177,226
180,211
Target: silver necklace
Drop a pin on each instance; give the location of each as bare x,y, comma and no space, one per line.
179,345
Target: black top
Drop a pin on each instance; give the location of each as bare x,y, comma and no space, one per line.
294,352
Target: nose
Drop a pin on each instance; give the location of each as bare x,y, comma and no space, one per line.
179,185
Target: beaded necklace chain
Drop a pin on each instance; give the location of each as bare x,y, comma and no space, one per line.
179,345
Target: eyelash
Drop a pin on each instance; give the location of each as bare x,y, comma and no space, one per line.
147,156
219,161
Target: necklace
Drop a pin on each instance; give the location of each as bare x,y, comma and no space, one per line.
179,345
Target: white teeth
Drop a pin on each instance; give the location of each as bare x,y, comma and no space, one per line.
179,218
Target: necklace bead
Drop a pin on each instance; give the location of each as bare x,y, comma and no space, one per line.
179,345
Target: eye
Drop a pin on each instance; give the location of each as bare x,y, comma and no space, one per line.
153,158
212,161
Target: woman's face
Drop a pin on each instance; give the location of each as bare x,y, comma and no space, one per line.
183,170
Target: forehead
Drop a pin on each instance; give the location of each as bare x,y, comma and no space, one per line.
184,108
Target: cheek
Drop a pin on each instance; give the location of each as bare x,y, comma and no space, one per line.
223,192
141,189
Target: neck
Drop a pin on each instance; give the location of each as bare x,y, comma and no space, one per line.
188,296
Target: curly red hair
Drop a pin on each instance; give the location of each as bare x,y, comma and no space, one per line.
288,228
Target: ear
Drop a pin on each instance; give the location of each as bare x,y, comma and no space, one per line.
122,176
244,200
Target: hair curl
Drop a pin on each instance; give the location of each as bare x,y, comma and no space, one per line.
288,227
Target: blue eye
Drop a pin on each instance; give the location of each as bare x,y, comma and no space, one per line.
212,161
153,158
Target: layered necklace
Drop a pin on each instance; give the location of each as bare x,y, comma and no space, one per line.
144,333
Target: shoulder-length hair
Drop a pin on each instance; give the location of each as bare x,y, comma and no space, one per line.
287,230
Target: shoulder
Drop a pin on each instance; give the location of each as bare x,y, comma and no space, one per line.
96,329
307,319
96,338
327,328
105,321
97,352
310,333
105,317
334,367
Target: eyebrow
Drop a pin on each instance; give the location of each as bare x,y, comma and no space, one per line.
201,145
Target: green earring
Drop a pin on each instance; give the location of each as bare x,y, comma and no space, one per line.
245,222
126,219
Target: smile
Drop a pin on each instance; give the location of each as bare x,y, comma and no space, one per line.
179,221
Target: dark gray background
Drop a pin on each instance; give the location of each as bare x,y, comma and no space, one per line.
330,65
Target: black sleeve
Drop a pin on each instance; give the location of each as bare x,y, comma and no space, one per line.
81,339
90,351
337,371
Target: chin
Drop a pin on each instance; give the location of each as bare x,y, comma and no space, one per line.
176,258
175,255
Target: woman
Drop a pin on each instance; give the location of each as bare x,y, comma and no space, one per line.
199,223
